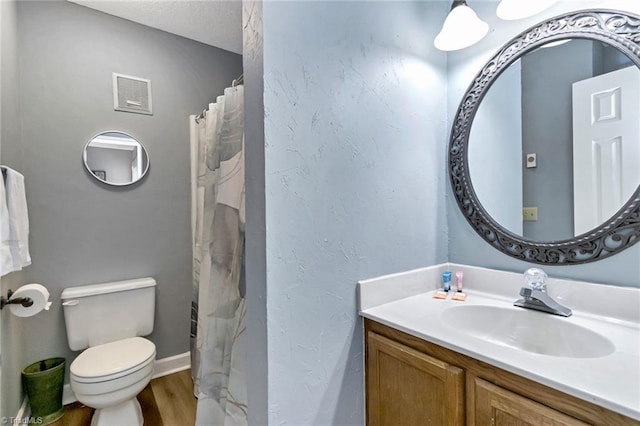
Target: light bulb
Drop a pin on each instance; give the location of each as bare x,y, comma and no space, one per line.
461,29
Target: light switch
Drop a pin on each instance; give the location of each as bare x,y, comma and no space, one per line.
530,214
532,161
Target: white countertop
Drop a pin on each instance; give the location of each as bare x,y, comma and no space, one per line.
405,302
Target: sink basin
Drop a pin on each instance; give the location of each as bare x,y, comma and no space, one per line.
528,330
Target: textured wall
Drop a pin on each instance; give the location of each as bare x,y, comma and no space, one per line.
12,337
86,232
465,246
355,143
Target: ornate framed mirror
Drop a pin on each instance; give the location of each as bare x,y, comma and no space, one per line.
544,154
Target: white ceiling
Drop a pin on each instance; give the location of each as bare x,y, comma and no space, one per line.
214,22
219,22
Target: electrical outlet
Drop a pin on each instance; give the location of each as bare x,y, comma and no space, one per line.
530,214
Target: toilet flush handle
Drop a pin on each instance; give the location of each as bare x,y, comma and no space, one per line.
73,302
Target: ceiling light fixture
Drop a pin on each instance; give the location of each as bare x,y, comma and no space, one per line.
461,28
511,10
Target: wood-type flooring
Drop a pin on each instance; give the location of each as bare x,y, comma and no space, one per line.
166,401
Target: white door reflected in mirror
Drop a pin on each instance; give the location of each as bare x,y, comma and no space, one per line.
606,152
116,158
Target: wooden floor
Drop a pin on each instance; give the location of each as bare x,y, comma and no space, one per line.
166,401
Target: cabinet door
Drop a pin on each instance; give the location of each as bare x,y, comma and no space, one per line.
496,406
406,387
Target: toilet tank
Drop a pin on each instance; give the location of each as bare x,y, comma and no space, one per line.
101,313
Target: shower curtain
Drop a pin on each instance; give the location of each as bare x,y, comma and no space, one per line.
218,218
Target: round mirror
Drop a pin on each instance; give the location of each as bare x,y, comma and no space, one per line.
560,125
115,158
544,157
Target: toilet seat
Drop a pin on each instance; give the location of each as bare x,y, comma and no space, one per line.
110,361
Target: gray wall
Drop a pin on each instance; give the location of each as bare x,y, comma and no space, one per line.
116,163
611,60
255,230
12,336
355,139
86,232
547,131
465,246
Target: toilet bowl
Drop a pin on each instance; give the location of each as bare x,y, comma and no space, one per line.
107,322
108,377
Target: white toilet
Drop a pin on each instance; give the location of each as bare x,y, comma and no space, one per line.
109,319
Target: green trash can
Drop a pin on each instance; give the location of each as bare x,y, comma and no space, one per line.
43,382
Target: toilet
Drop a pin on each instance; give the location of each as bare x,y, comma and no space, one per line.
107,321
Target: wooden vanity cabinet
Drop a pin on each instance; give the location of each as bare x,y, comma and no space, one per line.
411,382
408,387
497,406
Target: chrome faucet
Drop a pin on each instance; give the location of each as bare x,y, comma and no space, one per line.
535,295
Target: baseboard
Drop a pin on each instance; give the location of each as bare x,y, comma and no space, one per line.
67,395
162,367
172,364
22,416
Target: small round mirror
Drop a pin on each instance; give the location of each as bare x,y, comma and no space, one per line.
115,158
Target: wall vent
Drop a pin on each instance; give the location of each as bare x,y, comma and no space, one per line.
131,94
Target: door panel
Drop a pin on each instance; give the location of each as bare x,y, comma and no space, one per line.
496,406
408,388
606,145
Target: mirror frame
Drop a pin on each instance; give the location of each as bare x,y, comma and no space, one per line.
106,182
618,29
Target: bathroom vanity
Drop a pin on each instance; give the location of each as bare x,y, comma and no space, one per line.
485,362
411,381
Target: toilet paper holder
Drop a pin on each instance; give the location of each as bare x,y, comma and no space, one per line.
24,301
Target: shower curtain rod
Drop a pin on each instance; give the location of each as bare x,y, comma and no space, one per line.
234,83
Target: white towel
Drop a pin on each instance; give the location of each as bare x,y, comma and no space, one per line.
16,203
6,260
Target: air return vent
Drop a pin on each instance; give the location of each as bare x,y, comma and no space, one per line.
131,94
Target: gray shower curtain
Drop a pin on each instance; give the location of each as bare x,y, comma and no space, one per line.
218,310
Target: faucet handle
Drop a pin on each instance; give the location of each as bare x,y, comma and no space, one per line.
535,279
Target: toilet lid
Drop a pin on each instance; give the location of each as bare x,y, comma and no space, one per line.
112,358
